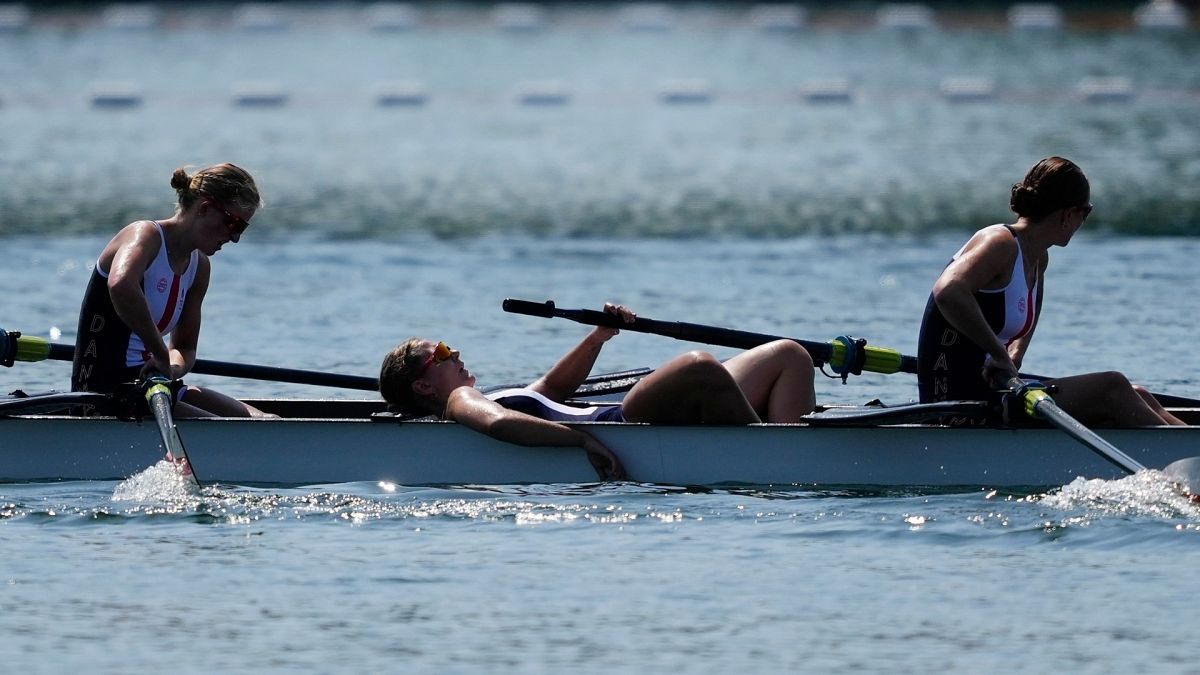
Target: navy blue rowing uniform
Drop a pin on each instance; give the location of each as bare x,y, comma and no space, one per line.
949,364
532,403
107,352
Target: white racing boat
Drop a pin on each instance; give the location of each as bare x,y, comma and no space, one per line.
333,441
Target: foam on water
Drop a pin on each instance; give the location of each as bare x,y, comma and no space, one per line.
1146,494
160,484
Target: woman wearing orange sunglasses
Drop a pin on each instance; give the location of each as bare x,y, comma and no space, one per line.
772,382
150,281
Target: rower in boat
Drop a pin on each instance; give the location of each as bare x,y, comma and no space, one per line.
150,281
772,382
986,303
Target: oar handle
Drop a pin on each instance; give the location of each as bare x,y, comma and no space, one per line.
874,359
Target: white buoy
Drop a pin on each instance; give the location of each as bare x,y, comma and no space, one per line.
1035,16
650,17
778,18
391,16
129,16
1161,15
905,16
519,17
260,17
114,95
686,91
14,17
542,93
827,91
401,93
968,89
1106,89
259,95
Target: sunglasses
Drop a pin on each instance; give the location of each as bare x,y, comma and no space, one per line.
1087,210
442,352
234,224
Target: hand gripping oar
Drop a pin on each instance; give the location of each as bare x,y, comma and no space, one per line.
844,355
160,397
17,347
1040,405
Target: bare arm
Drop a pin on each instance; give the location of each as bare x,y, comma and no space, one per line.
469,407
985,263
572,369
128,256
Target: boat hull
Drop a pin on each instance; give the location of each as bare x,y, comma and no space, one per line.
306,451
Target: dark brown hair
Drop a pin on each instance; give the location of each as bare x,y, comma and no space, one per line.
1053,183
229,184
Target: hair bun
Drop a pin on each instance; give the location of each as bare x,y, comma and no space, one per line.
1024,199
180,180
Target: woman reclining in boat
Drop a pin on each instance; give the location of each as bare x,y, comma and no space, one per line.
984,308
772,382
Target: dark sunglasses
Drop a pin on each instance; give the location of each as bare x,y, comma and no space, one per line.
234,224
1087,210
442,352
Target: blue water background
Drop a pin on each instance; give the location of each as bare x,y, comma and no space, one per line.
756,211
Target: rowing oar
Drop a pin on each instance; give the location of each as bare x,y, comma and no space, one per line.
160,398
17,347
844,355
1039,404
874,359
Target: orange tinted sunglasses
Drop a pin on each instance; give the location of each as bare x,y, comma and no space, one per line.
441,352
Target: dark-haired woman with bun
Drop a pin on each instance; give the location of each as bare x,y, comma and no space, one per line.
150,281
986,303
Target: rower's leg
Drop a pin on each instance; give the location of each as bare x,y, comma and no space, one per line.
777,379
693,388
1105,398
216,403
1158,407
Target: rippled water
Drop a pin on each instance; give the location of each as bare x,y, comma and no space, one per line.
111,577
757,159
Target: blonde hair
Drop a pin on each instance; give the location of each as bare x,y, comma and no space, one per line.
229,184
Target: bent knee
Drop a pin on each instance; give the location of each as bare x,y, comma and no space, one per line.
792,352
1114,379
702,366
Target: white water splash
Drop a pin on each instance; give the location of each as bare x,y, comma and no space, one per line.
160,483
1147,493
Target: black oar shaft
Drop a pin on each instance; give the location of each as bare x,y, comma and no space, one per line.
691,332
249,371
877,359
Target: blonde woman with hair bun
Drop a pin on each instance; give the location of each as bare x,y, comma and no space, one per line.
149,283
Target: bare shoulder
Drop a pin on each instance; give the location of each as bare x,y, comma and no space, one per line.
992,240
464,400
138,238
